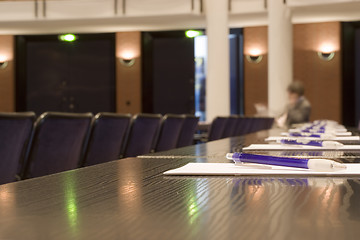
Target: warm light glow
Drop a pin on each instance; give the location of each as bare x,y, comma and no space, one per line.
127,55
327,48
3,58
255,52
254,55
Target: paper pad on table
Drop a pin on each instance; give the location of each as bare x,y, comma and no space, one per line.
283,147
208,169
346,138
338,134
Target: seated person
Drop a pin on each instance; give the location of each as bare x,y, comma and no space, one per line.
298,109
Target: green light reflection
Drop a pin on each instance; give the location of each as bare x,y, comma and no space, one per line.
197,198
193,208
70,201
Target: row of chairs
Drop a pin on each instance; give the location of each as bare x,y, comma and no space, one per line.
58,142
223,127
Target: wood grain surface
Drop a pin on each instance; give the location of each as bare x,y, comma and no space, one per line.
132,199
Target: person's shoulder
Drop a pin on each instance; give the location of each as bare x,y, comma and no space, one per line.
305,102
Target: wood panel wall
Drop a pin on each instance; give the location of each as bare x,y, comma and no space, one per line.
255,74
128,79
322,79
7,75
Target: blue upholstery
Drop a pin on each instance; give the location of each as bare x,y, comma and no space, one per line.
107,138
142,135
186,137
58,143
255,124
169,132
15,129
230,127
239,128
217,128
245,126
269,123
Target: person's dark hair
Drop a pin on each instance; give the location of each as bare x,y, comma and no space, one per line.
296,87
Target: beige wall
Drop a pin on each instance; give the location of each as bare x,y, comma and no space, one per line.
322,79
7,76
128,79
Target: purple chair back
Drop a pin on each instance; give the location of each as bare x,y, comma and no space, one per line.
58,143
169,132
142,134
15,129
217,128
186,137
230,127
107,138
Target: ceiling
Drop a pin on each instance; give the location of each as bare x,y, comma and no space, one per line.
73,16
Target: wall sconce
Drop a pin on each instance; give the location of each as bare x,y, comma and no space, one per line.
326,52
3,62
254,59
326,56
127,62
254,56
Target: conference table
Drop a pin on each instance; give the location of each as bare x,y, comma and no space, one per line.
132,199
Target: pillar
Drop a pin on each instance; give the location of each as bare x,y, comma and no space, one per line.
218,64
280,55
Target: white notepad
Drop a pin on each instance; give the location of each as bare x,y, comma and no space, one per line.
209,169
346,138
283,147
338,134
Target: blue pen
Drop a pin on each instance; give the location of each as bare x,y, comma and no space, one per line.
297,134
314,164
316,143
306,142
312,135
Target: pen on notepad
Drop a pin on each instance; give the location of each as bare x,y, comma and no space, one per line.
312,135
313,164
317,143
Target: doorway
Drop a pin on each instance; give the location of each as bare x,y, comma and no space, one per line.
168,73
65,76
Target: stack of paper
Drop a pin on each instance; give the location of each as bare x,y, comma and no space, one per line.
208,169
283,147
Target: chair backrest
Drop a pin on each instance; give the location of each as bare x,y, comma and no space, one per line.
244,126
15,132
142,134
186,137
58,143
239,127
230,127
255,124
169,132
217,128
269,122
107,138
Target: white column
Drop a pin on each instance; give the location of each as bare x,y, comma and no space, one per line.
280,55
218,66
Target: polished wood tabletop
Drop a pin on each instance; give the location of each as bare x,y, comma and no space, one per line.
132,199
